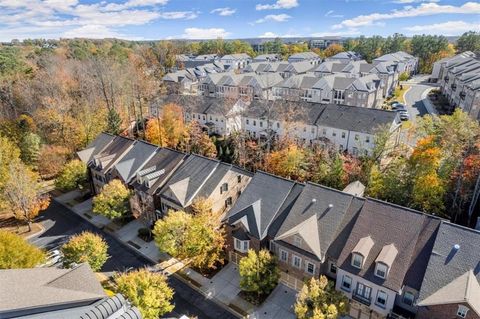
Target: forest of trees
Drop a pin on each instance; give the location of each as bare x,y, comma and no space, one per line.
57,96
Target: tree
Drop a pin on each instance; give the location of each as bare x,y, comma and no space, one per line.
16,252
319,299
428,49
114,122
148,291
168,130
72,176
404,76
9,154
289,162
469,41
51,160
196,238
112,202
259,273
333,49
85,247
199,142
23,195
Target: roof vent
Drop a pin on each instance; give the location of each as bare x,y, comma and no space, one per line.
314,200
330,205
456,246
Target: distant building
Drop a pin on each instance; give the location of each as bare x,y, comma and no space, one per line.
324,43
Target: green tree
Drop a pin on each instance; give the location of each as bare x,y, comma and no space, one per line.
259,273
428,48
146,290
30,148
196,238
72,176
114,122
404,76
16,252
112,202
469,41
85,247
9,154
319,299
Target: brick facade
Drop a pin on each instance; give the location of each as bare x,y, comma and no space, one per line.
444,312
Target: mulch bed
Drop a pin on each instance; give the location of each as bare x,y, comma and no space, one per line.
253,298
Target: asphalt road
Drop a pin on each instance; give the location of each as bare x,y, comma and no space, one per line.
413,100
60,223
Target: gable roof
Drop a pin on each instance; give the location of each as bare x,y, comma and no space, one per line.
112,153
95,147
453,267
134,159
385,224
316,216
260,202
21,289
189,178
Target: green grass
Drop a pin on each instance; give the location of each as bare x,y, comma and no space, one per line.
399,92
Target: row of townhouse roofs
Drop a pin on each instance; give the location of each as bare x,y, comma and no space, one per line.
387,259
342,79
340,127
459,79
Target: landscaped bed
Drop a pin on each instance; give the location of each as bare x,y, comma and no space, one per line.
440,102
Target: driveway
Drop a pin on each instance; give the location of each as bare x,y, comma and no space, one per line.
278,305
60,223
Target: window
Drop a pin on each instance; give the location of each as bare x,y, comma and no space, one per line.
310,268
313,130
334,133
333,268
357,261
408,298
381,299
297,261
241,245
283,255
346,283
239,178
462,311
381,270
343,134
228,202
224,188
367,139
261,124
254,123
363,291
278,124
304,129
297,240
248,122
356,137
324,131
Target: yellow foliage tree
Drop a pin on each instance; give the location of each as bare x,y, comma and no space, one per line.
290,162
169,129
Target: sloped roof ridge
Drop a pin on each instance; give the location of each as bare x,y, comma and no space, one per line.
406,208
332,189
279,177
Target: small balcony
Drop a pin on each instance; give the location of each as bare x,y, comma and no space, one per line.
362,299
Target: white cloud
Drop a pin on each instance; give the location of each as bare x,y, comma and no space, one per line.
331,14
186,15
200,34
424,9
280,4
55,18
268,35
274,35
224,11
445,28
274,17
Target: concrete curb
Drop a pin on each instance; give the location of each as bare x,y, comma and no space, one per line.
219,303
426,102
42,230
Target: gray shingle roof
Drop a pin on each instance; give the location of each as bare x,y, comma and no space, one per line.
446,263
387,224
115,307
189,178
260,202
95,147
317,206
115,149
36,288
134,159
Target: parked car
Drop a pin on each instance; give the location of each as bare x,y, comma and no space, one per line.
399,107
404,116
53,257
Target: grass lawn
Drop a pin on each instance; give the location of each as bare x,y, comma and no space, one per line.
399,92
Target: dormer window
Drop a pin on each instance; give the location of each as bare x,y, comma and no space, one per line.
381,270
357,261
462,311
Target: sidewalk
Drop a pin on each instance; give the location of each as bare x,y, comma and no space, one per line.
128,235
428,105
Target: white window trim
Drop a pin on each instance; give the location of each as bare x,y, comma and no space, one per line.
386,299
462,311
239,245
306,267
293,261
286,254
361,260
386,270
413,298
343,281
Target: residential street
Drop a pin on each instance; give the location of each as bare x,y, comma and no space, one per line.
60,223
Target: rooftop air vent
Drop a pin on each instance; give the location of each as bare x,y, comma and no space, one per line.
330,205
456,246
314,200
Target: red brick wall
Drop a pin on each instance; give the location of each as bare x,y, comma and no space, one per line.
444,312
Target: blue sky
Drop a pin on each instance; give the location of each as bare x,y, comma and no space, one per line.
201,19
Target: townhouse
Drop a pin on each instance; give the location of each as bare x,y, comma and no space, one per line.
199,177
236,61
382,263
366,91
458,77
272,57
311,57
345,56
402,61
345,128
451,285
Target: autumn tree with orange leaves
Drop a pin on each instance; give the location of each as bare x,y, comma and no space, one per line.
169,129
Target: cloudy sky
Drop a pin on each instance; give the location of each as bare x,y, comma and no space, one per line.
202,19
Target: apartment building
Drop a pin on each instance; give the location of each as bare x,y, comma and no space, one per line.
311,57
236,61
402,61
